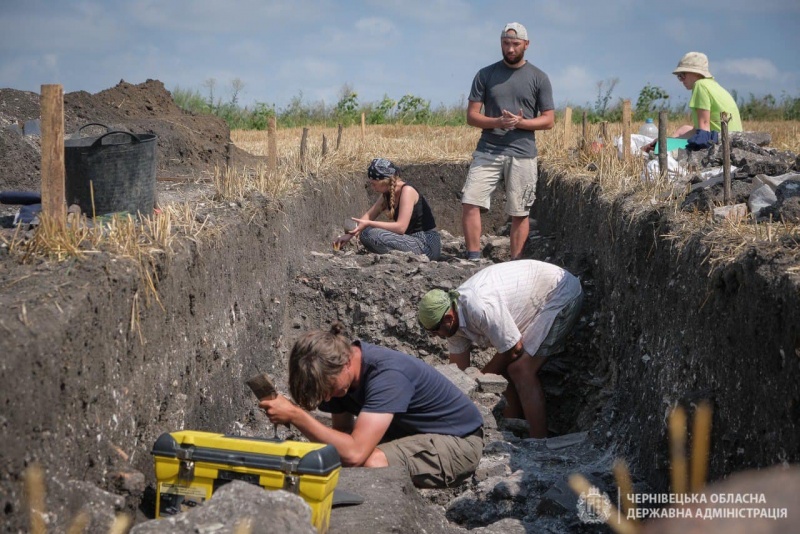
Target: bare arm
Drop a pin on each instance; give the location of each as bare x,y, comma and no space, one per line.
404,209
703,119
500,361
461,359
545,121
370,214
479,120
354,448
508,120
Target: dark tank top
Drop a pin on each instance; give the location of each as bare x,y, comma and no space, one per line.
421,215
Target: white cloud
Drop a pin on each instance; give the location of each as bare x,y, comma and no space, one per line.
760,68
573,85
376,27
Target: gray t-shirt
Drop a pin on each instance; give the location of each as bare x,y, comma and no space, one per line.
422,400
500,87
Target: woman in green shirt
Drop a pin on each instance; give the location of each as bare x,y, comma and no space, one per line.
709,99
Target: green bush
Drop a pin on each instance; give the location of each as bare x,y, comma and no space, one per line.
412,109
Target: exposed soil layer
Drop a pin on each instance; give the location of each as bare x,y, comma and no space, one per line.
94,369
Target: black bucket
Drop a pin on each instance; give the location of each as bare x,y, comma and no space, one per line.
114,172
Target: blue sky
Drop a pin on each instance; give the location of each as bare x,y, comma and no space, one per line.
427,48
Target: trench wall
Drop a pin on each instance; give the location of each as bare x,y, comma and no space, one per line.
675,329
91,374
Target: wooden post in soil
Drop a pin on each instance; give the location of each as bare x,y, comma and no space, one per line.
677,447
663,160
726,158
626,129
363,126
584,132
324,146
272,145
53,170
303,149
339,136
567,127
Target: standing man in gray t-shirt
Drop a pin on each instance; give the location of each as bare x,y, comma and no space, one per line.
517,99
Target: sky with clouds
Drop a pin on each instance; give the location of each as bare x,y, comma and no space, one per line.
283,49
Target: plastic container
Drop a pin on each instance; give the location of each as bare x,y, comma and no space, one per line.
649,129
190,465
115,172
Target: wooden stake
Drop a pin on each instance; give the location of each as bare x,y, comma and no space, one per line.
604,131
567,127
677,441
623,477
726,158
53,171
584,133
701,441
272,145
363,126
626,129
339,136
663,161
303,149
324,146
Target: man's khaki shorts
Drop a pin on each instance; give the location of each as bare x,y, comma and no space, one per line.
488,170
436,460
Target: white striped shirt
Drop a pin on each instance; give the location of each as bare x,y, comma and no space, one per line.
506,302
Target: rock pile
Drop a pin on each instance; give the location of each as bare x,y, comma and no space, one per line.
765,181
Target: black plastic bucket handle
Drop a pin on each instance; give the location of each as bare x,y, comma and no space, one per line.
78,133
98,141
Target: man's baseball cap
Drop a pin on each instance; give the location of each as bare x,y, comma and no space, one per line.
519,31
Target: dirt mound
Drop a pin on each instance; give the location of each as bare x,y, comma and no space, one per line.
188,145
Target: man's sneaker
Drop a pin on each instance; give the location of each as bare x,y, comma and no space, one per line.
473,255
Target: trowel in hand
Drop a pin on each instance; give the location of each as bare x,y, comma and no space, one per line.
262,387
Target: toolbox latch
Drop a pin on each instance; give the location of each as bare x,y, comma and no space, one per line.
186,468
291,481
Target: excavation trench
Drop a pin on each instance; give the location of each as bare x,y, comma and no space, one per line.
90,380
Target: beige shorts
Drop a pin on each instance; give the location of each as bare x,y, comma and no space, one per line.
488,170
436,460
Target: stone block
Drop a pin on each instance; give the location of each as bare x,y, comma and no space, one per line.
458,377
558,500
492,383
567,440
734,213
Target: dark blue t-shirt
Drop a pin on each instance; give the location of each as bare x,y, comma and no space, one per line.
422,400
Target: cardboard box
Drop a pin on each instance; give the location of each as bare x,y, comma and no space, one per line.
190,465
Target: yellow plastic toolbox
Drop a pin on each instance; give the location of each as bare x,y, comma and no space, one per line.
190,465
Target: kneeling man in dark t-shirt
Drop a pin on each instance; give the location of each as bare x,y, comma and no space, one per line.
388,408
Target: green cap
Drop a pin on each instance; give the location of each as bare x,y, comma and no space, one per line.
434,305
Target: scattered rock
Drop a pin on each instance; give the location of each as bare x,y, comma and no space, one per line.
231,506
492,383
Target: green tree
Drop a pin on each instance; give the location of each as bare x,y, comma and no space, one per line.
346,110
651,100
382,112
413,110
